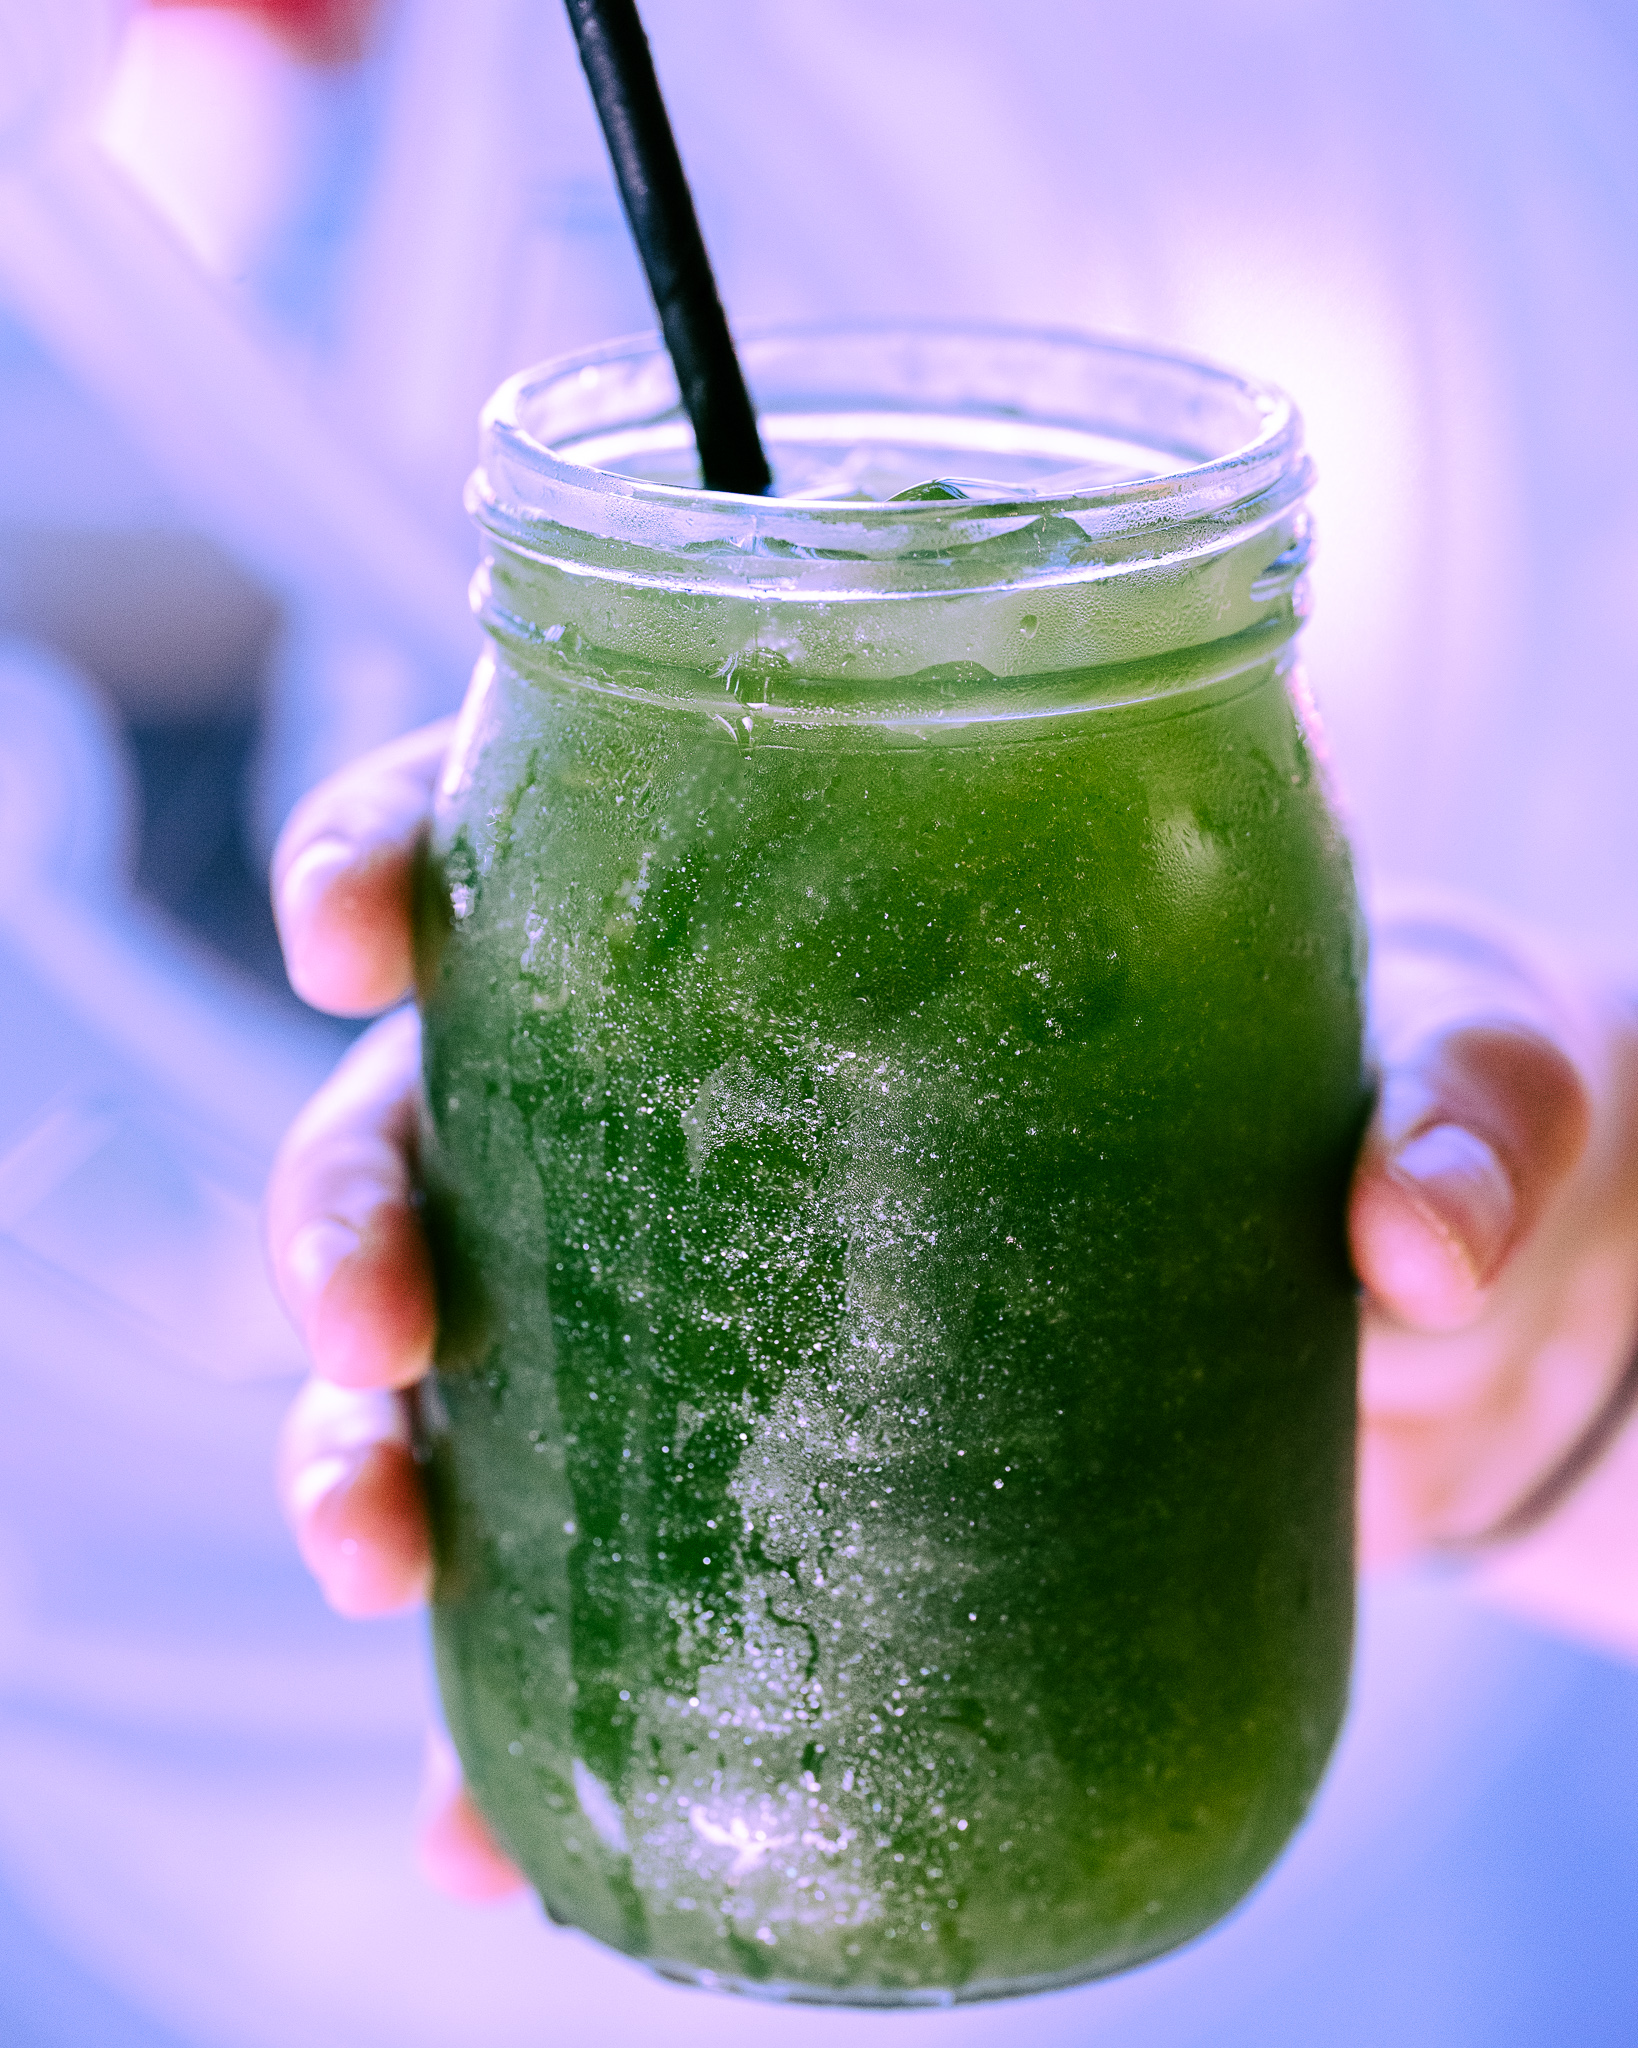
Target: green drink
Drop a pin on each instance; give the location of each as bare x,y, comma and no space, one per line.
891,987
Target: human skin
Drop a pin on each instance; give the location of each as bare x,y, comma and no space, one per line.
1493,1223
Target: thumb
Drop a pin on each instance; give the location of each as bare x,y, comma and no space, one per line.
1473,1135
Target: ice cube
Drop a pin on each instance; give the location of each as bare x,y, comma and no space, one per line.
935,487
982,490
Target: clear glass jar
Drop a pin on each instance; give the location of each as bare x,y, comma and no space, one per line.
891,983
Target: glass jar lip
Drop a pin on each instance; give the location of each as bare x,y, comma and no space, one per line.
1226,450
1197,487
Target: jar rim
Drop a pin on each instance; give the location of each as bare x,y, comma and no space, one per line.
1244,465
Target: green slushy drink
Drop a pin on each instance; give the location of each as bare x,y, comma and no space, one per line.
891,983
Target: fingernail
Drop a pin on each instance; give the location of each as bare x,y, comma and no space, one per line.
440,1773
1459,1183
312,1257
312,871
317,1478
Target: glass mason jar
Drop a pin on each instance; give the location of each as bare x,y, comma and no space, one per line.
891,987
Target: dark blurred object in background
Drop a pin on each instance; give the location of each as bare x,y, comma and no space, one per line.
192,859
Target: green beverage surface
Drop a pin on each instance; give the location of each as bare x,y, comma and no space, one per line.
891,1446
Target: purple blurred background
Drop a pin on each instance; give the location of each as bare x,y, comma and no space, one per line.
253,290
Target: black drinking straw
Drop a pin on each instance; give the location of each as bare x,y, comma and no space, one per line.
620,70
